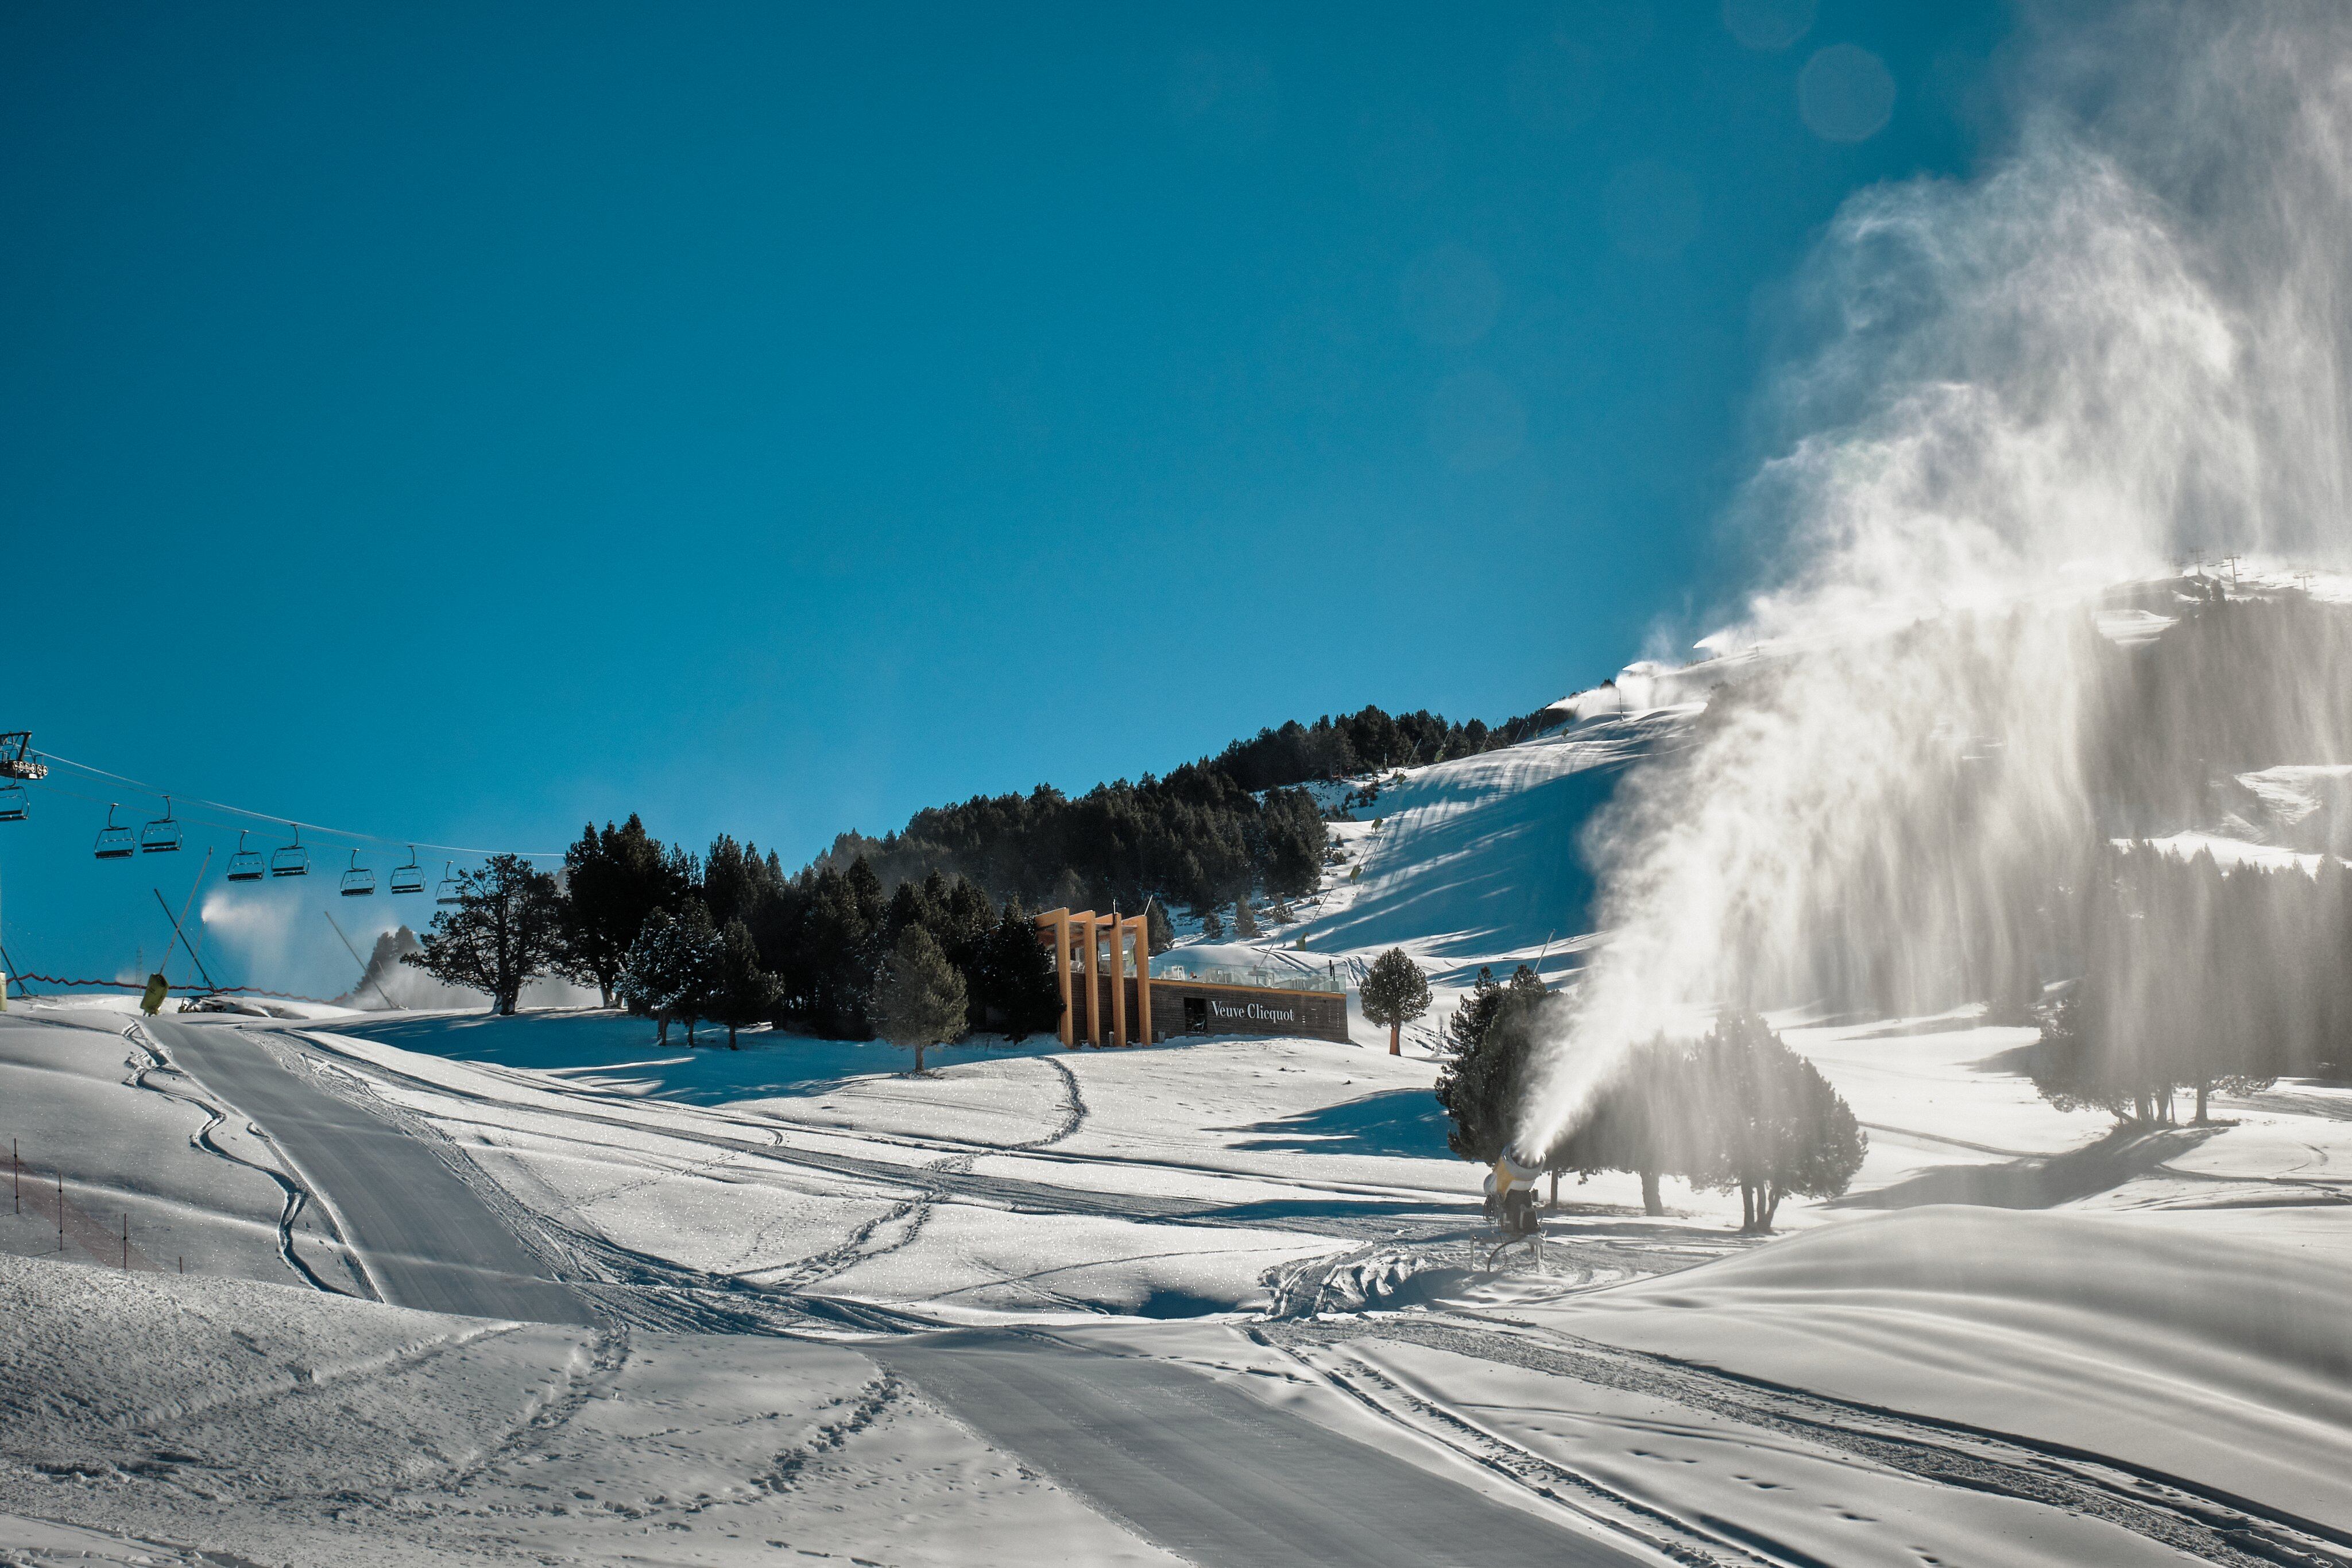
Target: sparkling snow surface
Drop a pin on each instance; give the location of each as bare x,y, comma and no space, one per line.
2023,1338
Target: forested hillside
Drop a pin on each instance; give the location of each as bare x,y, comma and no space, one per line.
655,925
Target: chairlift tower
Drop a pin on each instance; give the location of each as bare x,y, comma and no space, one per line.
17,758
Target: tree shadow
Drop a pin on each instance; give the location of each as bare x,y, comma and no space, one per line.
613,1053
2017,1062
2040,1181
1400,1123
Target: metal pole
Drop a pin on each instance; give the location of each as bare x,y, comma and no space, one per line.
61,1210
183,910
126,1244
359,961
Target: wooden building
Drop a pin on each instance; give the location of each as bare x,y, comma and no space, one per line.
1110,997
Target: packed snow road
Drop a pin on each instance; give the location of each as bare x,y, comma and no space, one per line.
1213,1475
427,1240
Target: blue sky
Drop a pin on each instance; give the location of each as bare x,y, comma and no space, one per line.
457,423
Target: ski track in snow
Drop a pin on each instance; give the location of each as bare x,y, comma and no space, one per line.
1408,1265
297,1195
2209,1526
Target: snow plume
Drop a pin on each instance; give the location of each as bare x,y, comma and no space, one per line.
2125,340
255,930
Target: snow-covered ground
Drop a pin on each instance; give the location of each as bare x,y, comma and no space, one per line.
151,1416
2019,1338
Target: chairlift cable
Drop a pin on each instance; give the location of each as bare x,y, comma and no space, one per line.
323,828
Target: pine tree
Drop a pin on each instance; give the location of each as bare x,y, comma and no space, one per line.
1395,992
1636,1123
701,951
1245,917
505,931
1212,925
743,992
658,972
1018,984
613,880
1483,1083
918,997
1466,1025
840,944
1767,1122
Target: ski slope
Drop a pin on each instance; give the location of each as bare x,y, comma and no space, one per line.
1151,1305
756,1230
1480,860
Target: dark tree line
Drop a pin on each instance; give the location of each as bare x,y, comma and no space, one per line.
1736,1109
1195,838
729,939
732,938
1361,742
1209,833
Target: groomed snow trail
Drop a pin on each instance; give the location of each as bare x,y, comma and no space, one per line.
1214,1476
427,1239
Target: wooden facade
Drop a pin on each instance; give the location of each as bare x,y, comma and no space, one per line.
1109,997
1106,992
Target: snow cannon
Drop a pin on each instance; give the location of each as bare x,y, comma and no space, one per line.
1511,1193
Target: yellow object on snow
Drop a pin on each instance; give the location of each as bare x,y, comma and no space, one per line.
1510,1173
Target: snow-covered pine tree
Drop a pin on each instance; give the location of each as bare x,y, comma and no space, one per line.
653,975
701,955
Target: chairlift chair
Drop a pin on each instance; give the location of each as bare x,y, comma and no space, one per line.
161,836
115,843
14,804
409,878
358,881
293,860
449,892
246,864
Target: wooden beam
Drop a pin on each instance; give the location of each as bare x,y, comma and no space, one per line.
1142,978
1118,933
1054,926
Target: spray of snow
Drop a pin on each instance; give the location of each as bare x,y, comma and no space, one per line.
2125,340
